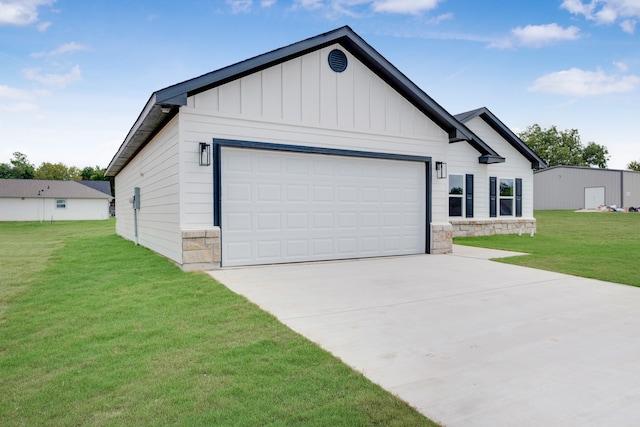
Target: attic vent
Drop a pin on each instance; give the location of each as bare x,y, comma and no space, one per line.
337,60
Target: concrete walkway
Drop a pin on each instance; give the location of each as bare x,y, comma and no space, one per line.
465,340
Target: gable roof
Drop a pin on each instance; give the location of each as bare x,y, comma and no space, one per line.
50,189
103,186
505,132
164,103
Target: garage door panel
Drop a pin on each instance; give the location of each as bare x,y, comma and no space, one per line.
303,207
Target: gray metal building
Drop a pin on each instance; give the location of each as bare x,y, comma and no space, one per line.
572,187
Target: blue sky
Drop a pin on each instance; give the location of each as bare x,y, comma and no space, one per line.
75,74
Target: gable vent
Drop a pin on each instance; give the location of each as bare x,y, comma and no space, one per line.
337,60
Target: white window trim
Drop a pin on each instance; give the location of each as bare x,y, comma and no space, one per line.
512,197
460,196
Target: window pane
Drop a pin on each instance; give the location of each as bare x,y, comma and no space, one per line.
506,207
506,187
455,206
456,184
61,204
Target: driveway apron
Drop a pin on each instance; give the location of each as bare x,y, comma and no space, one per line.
465,340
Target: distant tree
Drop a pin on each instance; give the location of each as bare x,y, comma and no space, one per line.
564,147
57,171
634,166
20,168
93,174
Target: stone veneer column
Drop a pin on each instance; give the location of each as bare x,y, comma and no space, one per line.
441,238
201,249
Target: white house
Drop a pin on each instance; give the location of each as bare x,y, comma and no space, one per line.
50,200
319,150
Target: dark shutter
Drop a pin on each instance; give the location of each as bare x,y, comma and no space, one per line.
469,196
518,196
493,211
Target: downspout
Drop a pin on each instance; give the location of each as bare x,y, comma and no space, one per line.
622,189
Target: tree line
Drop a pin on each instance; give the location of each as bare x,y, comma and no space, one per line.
20,168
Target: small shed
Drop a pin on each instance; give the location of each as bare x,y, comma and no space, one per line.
51,200
574,187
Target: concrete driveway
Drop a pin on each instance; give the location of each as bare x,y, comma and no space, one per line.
465,340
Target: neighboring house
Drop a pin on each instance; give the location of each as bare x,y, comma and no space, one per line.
50,200
574,187
320,150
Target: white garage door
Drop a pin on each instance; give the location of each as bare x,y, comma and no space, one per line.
280,207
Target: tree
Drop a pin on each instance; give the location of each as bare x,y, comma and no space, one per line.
93,174
634,166
57,171
20,168
564,147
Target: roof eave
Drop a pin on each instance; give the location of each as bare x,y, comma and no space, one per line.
164,104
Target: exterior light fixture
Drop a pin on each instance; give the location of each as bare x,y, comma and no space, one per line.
441,170
205,154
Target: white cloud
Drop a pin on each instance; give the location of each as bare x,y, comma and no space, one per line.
19,107
60,50
606,12
267,3
577,82
628,26
348,7
621,66
413,7
43,26
440,18
21,12
55,80
240,6
538,36
7,92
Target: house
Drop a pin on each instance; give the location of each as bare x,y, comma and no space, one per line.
496,198
319,150
51,200
574,187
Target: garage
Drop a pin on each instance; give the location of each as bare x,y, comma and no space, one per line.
284,206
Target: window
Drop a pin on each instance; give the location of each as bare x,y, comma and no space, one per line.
506,196
61,204
456,194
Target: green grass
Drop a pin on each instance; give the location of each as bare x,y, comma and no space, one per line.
597,245
97,331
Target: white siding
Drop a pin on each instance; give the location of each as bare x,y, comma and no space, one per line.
156,171
303,102
515,166
45,209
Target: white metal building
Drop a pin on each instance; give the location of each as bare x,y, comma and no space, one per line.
316,151
51,200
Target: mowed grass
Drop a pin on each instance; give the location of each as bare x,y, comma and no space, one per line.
97,331
598,245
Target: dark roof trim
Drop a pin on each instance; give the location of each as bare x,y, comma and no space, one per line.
164,104
506,133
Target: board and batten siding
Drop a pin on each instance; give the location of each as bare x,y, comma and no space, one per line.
155,169
303,102
45,209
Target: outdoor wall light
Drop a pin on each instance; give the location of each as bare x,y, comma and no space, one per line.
205,154
441,170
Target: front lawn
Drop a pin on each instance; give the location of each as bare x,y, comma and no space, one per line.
599,245
97,331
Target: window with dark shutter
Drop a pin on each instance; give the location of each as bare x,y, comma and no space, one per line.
469,196
518,196
493,211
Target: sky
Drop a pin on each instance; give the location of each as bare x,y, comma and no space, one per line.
75,74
